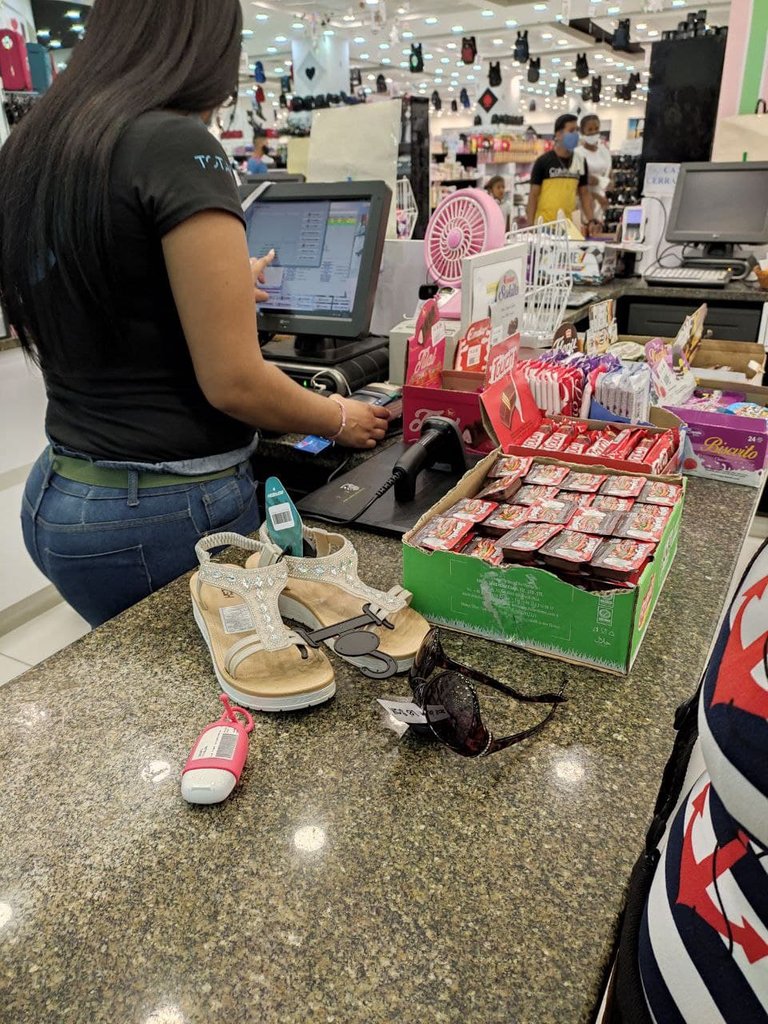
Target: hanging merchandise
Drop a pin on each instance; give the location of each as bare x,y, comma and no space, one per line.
478,121
355,78
40,66
283,100
416,60
582,68
597,85
15,73
258,73
586,93
560,90
437,103
488,100
621,35
494,75
465,100
468,49
454,107
297,104
522,52
534,69
532,106
381,84
260,94
634,81
285,83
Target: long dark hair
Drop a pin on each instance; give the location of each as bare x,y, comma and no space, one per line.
137,55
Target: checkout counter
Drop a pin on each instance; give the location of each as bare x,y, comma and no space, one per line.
355,875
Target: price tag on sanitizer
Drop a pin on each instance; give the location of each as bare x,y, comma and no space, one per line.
404,711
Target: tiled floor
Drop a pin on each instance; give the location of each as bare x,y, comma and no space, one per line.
38,639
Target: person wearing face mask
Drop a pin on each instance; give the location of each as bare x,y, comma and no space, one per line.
598,160
559,178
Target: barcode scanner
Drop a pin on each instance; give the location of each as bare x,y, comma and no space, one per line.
440,443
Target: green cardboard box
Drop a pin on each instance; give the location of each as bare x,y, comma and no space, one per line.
533,608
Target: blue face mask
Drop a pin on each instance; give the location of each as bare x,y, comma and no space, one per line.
571,140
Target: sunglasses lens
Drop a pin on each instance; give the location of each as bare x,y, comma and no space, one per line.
425,660
452,711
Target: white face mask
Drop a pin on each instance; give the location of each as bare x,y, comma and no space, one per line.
591,140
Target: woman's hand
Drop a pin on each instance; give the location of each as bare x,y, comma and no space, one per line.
366,424
257,269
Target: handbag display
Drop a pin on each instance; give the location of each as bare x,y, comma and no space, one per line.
416,60
14,62
40,67
468,49
534,69
522,53
494,75
582,67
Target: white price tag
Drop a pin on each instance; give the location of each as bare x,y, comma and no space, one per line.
281,517
404,711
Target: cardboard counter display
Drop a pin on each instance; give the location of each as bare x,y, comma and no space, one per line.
532,607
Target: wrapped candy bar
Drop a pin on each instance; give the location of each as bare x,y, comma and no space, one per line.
532,493
553,510
506,518
579,498
510,465
558,440
657,492
658,457
644,522
501,489
623,486
523,543
624,443
589,483
539,436
486,549
547,476
642,449
608,503
751,409
626,391
593,520
570,550
471,510
621,558
443,534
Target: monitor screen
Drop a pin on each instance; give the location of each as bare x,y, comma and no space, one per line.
328,240
720,203
319,248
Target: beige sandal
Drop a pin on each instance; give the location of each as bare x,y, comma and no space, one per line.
325,590
268,667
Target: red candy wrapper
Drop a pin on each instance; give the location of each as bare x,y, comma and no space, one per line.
506,518
501,489
589,483
623,486
486,549
532,493
555,511
525,541
579,499
510,465
608,503
644,522
657,492
624,442
443,534
547,476
621,558
640,452
659,456
558,441
592,520
570,550
471,510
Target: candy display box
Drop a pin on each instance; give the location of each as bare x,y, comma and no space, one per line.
532,607
458,398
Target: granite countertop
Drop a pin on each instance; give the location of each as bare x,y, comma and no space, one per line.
736,291
355,875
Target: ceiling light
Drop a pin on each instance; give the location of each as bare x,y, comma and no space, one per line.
386,60
457,28
539,7
279,70
359,39
364,56
641,26
403,63
298,24
555,60
430,21
470,78
246,33
498,42
511,23
427,56
383,46
562,42
488,14
262,17
271,49
371,78
280,39
614,10
72,14
372,3
454,74
678,3
546,35
329,32
445,60
407,35
653,32
44,32
599,56
451,46
348,17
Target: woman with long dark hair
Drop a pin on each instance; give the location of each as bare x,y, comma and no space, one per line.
124,269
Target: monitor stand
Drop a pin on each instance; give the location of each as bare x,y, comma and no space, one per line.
318,351
719,256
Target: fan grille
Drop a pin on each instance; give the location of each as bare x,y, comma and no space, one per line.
459,228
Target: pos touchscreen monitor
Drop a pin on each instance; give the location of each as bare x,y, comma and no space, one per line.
328,240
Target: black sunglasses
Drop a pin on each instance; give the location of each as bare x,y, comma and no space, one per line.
450,704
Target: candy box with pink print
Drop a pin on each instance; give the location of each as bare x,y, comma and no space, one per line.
723,446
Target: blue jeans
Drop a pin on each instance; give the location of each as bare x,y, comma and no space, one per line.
103,554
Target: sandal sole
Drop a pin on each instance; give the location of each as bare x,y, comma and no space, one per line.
248,700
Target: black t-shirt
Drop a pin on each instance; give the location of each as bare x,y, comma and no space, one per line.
550,166
133,396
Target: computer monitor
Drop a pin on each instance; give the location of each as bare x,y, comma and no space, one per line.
720,205
253,181
328,240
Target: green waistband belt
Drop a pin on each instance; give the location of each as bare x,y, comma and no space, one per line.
83,472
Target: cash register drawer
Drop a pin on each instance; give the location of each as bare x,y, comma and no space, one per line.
730,321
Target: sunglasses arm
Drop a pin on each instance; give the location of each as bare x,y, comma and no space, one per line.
509,691
508,741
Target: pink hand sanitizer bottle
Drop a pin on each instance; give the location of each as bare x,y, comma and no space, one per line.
218,757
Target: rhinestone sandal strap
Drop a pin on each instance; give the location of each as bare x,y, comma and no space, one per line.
260,589
224,540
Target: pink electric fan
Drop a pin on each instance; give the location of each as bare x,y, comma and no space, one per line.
465,223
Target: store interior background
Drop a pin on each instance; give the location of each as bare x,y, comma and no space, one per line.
34,623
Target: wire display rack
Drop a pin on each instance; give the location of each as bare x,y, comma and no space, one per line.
549,280
407,209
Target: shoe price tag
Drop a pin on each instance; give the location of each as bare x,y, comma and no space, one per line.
281,517
404,711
